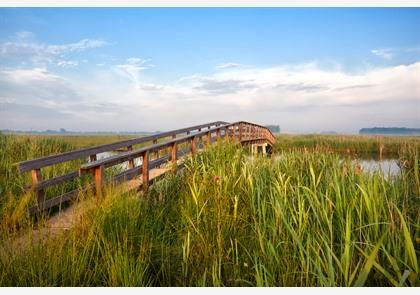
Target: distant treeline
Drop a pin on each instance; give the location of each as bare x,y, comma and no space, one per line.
390,130
65,132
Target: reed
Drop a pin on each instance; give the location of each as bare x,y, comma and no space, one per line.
230,219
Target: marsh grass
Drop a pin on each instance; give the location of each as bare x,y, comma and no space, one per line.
229,219
361,145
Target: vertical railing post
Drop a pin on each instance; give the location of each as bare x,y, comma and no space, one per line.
156,153
193,146
92,158
145,171
208,139
98,176
218,135
130,161
174,156
40,194
240,132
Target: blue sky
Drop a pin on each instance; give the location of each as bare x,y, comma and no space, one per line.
306,69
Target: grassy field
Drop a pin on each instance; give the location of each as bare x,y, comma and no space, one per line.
228,219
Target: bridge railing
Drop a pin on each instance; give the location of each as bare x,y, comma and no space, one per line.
149,157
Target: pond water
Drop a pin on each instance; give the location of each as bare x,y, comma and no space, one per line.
388,167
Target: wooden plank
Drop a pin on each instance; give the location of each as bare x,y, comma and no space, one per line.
53,181
86,152
50,203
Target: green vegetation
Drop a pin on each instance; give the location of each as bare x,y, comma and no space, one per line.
363,146
309,218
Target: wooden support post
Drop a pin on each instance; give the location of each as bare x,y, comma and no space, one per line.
174,156
156,153
98,175
208,139
218,135
131,161
193,146
40,194
227,134
240,132
145,170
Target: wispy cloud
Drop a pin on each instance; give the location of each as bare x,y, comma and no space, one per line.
67,63
228,65
383,53
132,67
40,54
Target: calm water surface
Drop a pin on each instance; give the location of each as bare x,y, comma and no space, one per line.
370,165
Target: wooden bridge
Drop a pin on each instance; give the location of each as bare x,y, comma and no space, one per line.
153,157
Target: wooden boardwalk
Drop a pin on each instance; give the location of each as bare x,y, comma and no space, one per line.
155,154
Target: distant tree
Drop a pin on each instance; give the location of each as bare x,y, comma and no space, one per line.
274,128
62,130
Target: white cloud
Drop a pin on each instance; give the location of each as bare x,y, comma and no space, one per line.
67,63
301,97
24,76
383,53
228,65
39,54
73,47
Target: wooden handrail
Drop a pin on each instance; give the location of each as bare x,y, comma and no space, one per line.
243,132
86,152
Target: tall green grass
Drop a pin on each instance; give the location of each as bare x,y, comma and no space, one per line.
229,219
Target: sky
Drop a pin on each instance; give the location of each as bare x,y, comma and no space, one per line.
308,70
